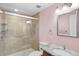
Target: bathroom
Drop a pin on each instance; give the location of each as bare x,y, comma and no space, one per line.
39,29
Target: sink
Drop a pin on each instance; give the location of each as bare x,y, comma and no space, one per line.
61,52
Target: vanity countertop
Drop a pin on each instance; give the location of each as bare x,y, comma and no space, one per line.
59,52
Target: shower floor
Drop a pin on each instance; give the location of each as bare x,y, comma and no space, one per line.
23,53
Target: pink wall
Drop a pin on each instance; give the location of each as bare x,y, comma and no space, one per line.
48,30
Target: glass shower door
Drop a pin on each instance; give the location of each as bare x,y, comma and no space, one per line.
18,36
2,47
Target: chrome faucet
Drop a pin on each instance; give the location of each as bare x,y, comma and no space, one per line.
64,47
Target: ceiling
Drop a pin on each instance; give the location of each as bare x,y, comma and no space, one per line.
24,8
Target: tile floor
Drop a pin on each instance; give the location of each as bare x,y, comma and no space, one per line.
23,53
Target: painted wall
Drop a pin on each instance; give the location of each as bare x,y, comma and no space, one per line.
48,30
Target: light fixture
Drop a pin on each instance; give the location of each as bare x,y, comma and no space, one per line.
68,4
65,7
29,22
15,10
57,10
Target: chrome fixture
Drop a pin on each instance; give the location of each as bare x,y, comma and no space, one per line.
65,6
38,6
68,4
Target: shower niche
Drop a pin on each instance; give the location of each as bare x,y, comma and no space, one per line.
68,24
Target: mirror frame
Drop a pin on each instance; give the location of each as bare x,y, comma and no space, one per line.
76,24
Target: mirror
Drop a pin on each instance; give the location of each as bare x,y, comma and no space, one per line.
67,24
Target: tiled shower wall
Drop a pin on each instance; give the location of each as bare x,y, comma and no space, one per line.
16,34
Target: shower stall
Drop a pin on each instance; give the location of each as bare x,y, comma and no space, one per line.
16,34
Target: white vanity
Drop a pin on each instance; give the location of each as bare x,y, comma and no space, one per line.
57,50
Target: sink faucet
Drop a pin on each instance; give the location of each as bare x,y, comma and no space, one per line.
64,47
